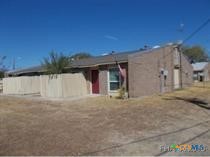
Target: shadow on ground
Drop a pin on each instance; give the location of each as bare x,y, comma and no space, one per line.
195,101
204,87
152,137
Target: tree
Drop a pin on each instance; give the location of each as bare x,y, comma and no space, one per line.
80,55
195,53
2,66
2,58
1,74
56,63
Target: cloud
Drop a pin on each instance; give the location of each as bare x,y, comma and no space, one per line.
110,37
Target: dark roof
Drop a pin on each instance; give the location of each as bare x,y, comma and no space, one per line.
33,69
112,58
88,62
106,59
93,61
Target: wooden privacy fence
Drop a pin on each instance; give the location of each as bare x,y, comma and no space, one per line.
21,85
55,86
63,85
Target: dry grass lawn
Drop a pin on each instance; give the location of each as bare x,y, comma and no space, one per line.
103,126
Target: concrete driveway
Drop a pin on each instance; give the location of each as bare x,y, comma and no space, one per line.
104,126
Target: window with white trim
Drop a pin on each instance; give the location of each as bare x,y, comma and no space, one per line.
114,79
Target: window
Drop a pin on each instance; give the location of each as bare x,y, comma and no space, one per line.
114,79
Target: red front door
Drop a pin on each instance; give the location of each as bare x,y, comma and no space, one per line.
95,82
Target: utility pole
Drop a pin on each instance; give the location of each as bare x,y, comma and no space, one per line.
15,60
180,68
185,40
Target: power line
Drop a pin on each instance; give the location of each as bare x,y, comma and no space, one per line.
184,41
196,31
192,34
189,37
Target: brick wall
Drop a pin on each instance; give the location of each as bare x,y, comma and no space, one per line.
124,66
207,72
103,77
144,72
187,72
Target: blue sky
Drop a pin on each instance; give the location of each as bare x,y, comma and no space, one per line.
30,29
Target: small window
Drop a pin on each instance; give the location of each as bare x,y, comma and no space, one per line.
114,79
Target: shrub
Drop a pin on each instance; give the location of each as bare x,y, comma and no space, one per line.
122,93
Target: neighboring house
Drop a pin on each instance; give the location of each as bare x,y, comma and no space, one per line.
201,71
146,72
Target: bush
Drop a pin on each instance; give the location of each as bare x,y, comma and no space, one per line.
122,93
1,75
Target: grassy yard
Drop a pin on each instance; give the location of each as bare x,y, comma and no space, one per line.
104,126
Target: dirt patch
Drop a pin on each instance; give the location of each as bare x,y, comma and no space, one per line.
99,126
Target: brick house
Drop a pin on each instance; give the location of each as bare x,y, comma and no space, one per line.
147,72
